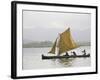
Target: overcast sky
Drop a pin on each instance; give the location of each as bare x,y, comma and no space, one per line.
46,26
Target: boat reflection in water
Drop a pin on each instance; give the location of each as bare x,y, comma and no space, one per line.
32,59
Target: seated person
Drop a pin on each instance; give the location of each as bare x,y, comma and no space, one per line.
74,53
66,54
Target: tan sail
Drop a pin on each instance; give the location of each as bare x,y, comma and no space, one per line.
53,48
66,42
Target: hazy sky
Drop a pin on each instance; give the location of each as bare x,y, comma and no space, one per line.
43,26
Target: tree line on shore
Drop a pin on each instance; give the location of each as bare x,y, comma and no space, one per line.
42,44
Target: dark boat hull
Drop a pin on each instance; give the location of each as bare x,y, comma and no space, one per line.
59,57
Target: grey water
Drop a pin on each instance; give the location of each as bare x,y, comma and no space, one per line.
32,59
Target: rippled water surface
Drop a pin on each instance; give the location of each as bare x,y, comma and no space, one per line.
32,59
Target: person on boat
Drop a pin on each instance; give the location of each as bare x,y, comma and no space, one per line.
74,53
66,54
84,51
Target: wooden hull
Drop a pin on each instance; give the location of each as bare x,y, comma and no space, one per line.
59,57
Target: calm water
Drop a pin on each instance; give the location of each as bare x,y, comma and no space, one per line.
32,59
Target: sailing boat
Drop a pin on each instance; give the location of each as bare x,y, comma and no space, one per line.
63,44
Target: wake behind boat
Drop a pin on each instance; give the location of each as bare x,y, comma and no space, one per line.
63,44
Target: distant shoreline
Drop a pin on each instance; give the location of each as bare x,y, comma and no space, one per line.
49,44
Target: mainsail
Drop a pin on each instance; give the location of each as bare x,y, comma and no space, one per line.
65,43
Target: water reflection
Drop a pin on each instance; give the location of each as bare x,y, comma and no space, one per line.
32,59
65,62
